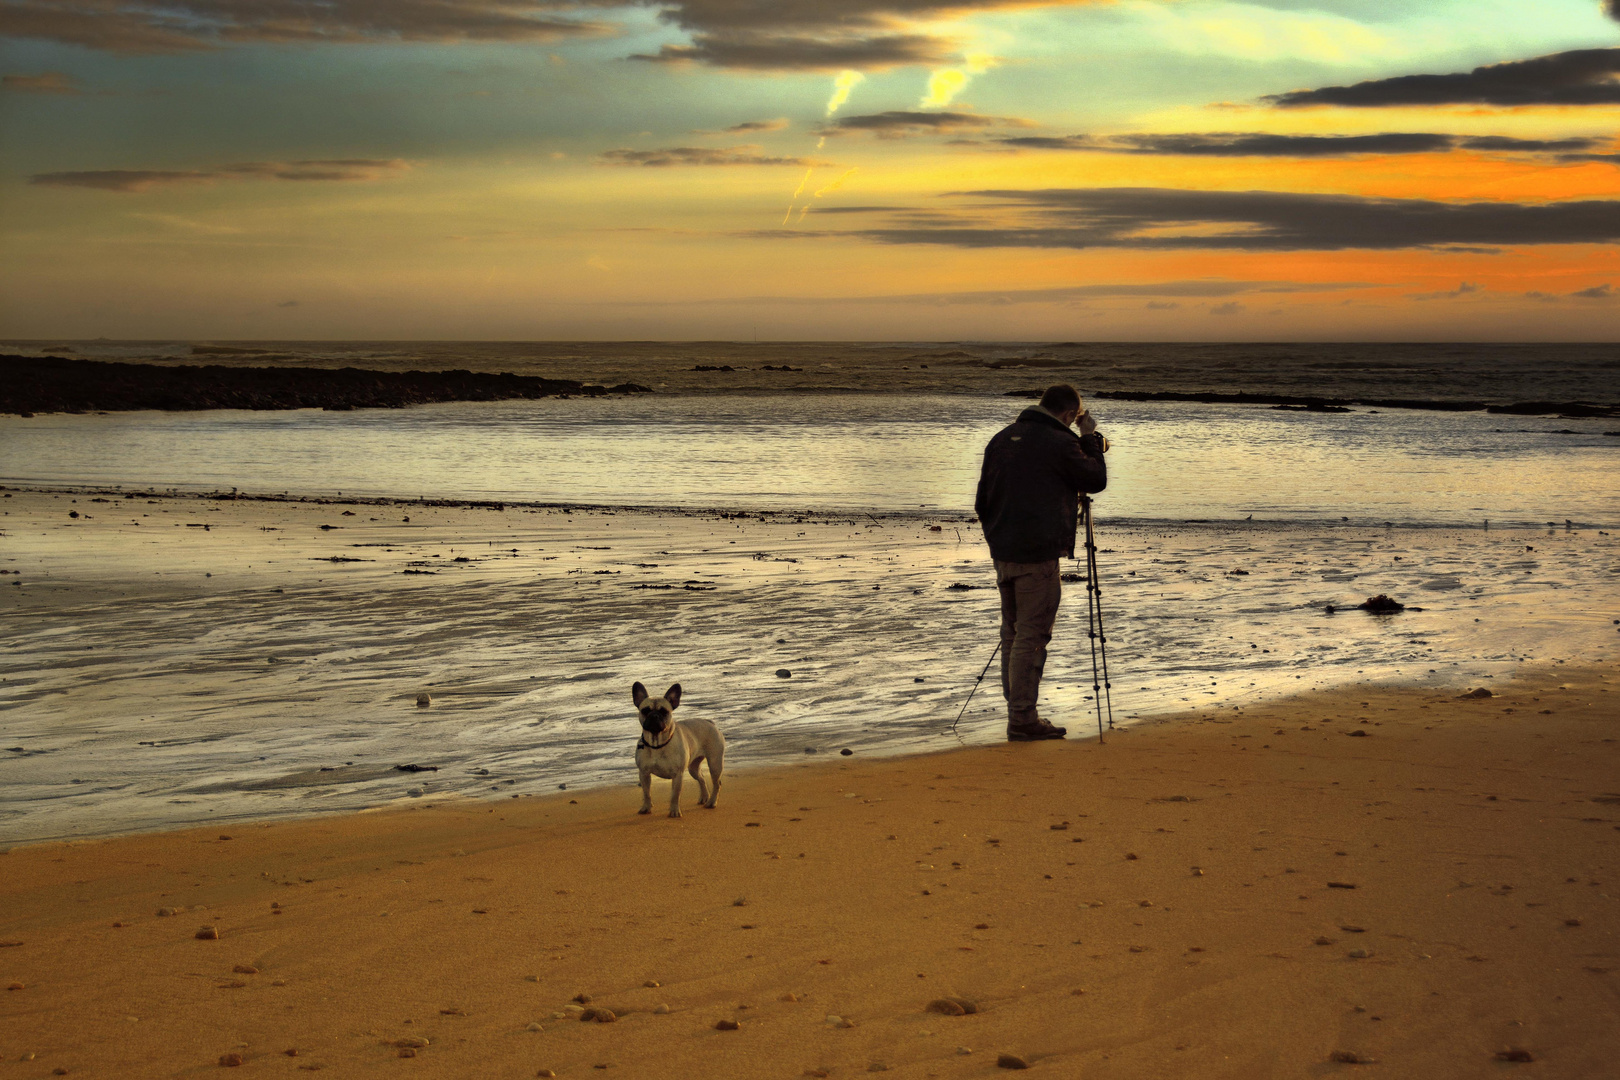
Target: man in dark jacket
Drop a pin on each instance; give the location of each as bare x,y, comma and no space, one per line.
1028,502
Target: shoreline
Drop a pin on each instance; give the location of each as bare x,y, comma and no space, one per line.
171,660
1223,895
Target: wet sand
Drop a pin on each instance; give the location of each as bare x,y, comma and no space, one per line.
188,660
1396,875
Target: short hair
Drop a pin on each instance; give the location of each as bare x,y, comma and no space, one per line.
1060,398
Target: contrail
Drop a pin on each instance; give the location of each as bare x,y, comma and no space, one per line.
836,184
842,85
945,84
796,193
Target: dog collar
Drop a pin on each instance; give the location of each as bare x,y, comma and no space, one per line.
643,744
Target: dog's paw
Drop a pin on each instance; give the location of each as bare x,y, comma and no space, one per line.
674,813
645,810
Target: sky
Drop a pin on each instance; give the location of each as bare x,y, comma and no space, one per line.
1160,170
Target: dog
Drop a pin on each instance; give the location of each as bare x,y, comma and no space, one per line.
670,748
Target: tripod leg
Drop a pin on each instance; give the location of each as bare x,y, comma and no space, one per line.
1102,635
1092,612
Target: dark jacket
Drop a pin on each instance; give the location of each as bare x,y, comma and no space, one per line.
1030,485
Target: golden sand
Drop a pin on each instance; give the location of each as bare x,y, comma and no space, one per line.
1395,876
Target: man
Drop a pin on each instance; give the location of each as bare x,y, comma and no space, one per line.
1028,502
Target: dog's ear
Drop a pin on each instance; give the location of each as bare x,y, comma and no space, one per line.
638,694
673,696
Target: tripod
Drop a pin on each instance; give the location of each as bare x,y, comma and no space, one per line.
1100,691
1094,622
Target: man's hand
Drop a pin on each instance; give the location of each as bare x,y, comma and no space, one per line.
1094,443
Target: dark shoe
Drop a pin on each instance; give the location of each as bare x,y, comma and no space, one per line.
1036,733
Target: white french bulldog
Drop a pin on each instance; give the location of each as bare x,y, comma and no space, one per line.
670,748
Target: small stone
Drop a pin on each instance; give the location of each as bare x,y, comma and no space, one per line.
59,1071
545,1072
583,999
1059,828
407,1052
245,969
981,926
652,984
945,1007
1345,1057
208,933
411,1042
1130,856
229,1061
964,1051
15,986
165,912
847,752
1360,954
661,1010
423,700
452,1011
1514,1053
1572,922
531,978
534,1025
1326,941
727,1025
783,673
598,1014
1011,1061
789,998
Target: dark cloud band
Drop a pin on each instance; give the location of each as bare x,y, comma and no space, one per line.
158,26
130,180
699,155
899,123
1177,219
1579,77
1230,144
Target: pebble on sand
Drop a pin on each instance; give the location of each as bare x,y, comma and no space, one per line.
534,1025
1011,1061
411,1042
208,933
945,1007
661,1009
1514,1053
727,1025
1360,954
230,1061
423,700
245,969
1346,1057
407,1052
598,1014
15,986
1481,693
783,673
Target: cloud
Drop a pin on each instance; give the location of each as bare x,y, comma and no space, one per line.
47,82
843,86
1597,292
130,180
750,126
165,26
821,35
698,155
1466,288
778,52
901,123
1201,288
1180,219
1579,77
1260,144
946,83
1232,308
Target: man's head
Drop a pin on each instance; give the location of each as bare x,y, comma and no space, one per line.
1063,402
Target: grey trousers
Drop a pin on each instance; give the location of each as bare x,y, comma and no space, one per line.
1030,593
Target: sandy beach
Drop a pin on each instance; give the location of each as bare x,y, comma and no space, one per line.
1419,881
